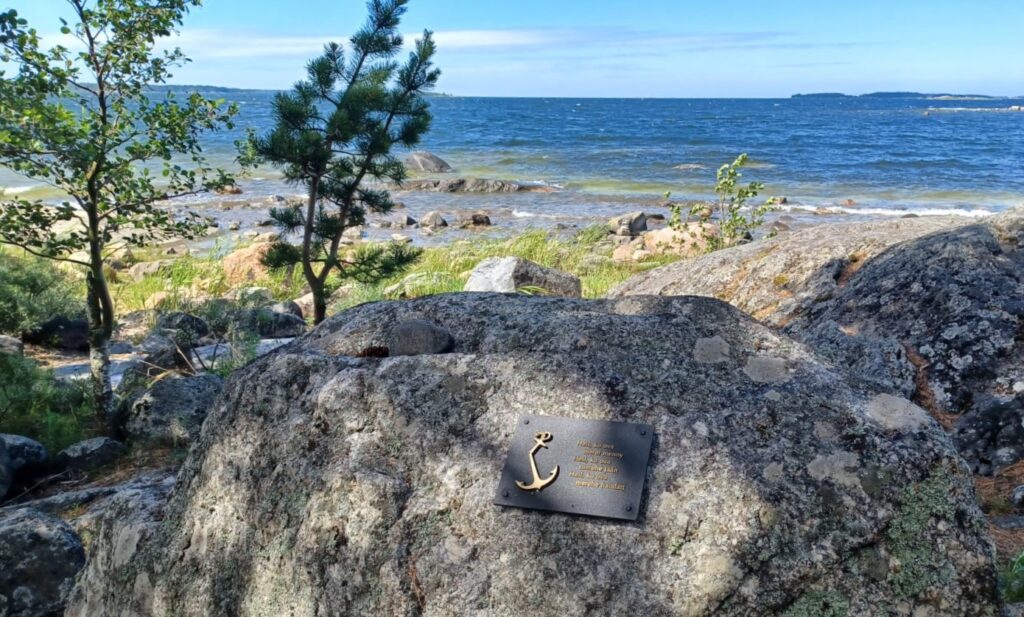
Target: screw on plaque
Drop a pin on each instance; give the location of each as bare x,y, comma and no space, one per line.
504,493
629,508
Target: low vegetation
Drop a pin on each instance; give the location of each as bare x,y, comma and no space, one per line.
34,290
34,404
736,219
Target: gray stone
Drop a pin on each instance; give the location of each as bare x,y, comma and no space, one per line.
41,556
1017,497
474,219
433,220
28,457
140,271
929,308
288,307
161,353
11,346
329,484
90,454
184,329
416,337
270,324
514,274
632,224
427,162
172,410
401,221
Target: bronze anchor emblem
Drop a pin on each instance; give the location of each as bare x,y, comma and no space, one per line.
538,483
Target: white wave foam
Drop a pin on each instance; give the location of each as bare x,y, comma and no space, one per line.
975,213
18,190
689,167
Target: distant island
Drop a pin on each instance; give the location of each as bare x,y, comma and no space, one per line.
904,95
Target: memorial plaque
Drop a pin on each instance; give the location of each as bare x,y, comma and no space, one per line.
586,467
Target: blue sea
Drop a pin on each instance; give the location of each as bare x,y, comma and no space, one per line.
859,156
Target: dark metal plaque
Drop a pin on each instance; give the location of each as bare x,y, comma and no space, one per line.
586,467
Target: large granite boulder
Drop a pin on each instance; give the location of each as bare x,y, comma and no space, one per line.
514,274
172,410
330,484
944,296
427,162
41,556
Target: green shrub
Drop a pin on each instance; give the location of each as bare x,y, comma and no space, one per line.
737,220
33,291
34,404
1013,580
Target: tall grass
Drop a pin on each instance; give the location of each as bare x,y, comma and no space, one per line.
442,269
446,268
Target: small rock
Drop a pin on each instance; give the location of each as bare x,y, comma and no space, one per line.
269,324
1017,497
11,346
353,233
418,337
147,268
187,328
288,307
234,226
433,220
631,224
42,555
476,219
401,221
90,454
399,238
305,304
427,162
514,274
27,456
229,190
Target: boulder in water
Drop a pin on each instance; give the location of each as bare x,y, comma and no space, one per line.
427,162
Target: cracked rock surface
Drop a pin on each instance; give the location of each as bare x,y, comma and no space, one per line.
930,308
326,484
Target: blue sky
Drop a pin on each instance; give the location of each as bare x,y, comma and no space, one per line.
642,48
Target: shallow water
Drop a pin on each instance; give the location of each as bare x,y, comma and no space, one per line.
861,157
